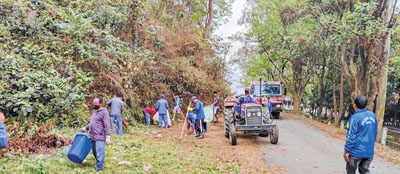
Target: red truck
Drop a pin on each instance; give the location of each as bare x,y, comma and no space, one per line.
272,88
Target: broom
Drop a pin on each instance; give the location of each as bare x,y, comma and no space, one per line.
184,122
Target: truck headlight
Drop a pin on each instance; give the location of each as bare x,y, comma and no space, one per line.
259,114
248,114
278,106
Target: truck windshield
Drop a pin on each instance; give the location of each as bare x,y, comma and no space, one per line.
272,90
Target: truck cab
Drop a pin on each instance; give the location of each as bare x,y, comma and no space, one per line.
270,88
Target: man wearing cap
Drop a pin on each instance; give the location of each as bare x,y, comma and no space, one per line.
198,109
246,99
162,109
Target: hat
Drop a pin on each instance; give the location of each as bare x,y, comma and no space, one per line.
194,97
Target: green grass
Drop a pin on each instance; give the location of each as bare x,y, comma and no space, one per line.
164,154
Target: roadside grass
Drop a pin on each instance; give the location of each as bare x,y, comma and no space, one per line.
145,149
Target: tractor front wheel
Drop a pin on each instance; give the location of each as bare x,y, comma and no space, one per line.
228,116
274,135
232,134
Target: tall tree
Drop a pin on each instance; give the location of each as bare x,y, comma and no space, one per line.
288,38
209,19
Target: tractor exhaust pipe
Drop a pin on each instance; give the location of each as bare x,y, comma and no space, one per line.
260,92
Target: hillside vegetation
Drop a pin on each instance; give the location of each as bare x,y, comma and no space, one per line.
57,55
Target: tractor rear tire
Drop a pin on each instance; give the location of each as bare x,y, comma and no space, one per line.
228,116
232,134
274,135
265,114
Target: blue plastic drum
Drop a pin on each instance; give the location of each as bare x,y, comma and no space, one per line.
80,148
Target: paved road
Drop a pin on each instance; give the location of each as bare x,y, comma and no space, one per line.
304,149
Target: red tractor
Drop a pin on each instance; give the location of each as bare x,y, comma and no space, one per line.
272,89
253,118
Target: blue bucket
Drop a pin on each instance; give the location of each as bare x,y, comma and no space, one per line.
80,148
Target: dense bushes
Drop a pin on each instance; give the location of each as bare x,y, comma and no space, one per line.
57,55
53,51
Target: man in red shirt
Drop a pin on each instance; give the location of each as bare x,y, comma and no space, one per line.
148,114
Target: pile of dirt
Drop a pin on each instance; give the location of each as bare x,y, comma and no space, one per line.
40,142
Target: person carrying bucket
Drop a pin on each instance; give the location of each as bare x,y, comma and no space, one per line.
99,131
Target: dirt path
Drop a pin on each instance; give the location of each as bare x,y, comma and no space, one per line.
304,148
246,155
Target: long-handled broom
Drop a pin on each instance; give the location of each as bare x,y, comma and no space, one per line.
184,122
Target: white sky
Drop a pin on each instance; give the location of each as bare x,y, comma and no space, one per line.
227,30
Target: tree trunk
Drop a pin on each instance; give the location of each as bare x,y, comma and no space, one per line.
209,19
344,74
335,109
341,100
329,117
382,84
296,103
322,92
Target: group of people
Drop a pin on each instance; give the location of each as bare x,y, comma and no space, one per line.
162,111
358,149
194,118
248,98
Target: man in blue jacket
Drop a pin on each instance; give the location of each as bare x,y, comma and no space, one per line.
162,109
198,109
360,138
3,132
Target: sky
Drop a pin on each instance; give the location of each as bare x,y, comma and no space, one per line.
228,29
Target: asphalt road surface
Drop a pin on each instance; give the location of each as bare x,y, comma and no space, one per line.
304,149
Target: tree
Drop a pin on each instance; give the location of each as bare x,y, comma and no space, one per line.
208,19
288,39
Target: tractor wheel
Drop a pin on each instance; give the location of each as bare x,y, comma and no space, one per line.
274,135
228,116
232,134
